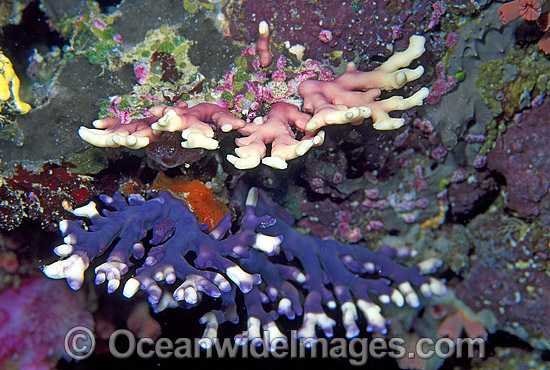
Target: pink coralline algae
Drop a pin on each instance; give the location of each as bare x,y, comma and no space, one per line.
439,152
99,24
451,39
480,161
441,86
423,125
422,203
34,320
372,193
438,10
419,182
471,138
459,175
120,114
141,71
325,36
375,225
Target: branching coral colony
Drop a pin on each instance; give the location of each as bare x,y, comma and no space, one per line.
163,237
330,274
349,98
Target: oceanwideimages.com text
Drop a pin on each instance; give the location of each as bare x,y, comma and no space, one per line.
123,344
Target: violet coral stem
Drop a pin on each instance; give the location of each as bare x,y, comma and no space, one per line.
330,274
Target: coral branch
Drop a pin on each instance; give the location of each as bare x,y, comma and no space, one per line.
192,122
262,45
111,133
352,97
176,232
276,129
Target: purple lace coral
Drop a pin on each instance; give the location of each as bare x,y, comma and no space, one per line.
319,273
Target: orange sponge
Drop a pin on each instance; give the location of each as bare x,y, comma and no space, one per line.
201,198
